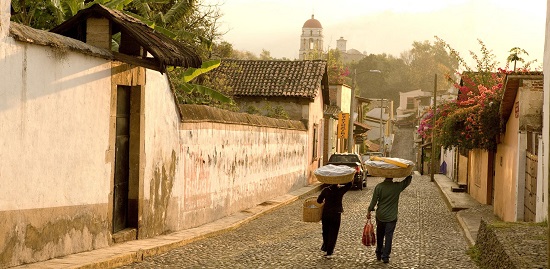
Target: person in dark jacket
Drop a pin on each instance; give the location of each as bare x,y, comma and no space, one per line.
386,196
332,214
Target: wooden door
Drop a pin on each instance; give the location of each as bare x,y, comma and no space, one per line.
122,157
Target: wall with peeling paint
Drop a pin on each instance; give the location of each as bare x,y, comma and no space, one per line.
54,186
544,160
225,168
162,153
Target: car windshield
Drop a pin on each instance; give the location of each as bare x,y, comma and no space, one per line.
344,158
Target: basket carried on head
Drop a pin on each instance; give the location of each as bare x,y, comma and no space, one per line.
312,210
389,172
341,179
390,168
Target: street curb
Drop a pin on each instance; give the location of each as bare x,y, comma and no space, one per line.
465,230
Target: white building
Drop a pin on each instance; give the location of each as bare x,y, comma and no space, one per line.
351,55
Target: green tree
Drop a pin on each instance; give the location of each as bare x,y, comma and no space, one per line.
515,56
39,14
265,55
221,50
337,72
243,55
469,121
426,60
387,84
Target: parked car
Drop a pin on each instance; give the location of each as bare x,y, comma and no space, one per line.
352,160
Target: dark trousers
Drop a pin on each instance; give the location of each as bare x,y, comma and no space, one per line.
331,226
384,230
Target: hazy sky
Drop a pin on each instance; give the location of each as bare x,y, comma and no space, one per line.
388,26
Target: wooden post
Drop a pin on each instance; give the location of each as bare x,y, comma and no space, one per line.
351,142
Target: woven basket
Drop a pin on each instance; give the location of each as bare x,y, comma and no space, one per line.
389,172
312,210
335,179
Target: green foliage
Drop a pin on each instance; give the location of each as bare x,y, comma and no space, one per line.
38,14
428,59
191,73
277,112
515,57
202,92
471,121
475,254
314,54
268,110
265,55
251,109
337,73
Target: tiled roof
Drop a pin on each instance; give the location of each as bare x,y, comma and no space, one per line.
331,110
275,78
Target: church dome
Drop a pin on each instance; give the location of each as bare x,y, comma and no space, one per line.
312,23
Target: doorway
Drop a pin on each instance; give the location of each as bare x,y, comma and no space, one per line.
127,158
122,159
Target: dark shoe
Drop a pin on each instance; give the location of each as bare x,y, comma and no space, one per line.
378,257
386,260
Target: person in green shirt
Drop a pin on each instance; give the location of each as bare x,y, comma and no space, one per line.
386,199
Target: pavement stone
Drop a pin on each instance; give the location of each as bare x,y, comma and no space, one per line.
428,235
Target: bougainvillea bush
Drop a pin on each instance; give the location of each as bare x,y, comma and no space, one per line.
472,120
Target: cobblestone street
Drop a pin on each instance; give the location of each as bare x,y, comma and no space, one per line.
427,236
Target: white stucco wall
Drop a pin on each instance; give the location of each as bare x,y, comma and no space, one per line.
546,107
161,127
343,97
4,18
225,168
55,171
542,190
54,111
448,156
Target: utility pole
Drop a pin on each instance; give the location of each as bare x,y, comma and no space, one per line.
381,133
433,131
351,142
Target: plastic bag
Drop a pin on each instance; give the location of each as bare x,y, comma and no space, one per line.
369,235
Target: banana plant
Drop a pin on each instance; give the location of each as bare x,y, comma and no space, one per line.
191,73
